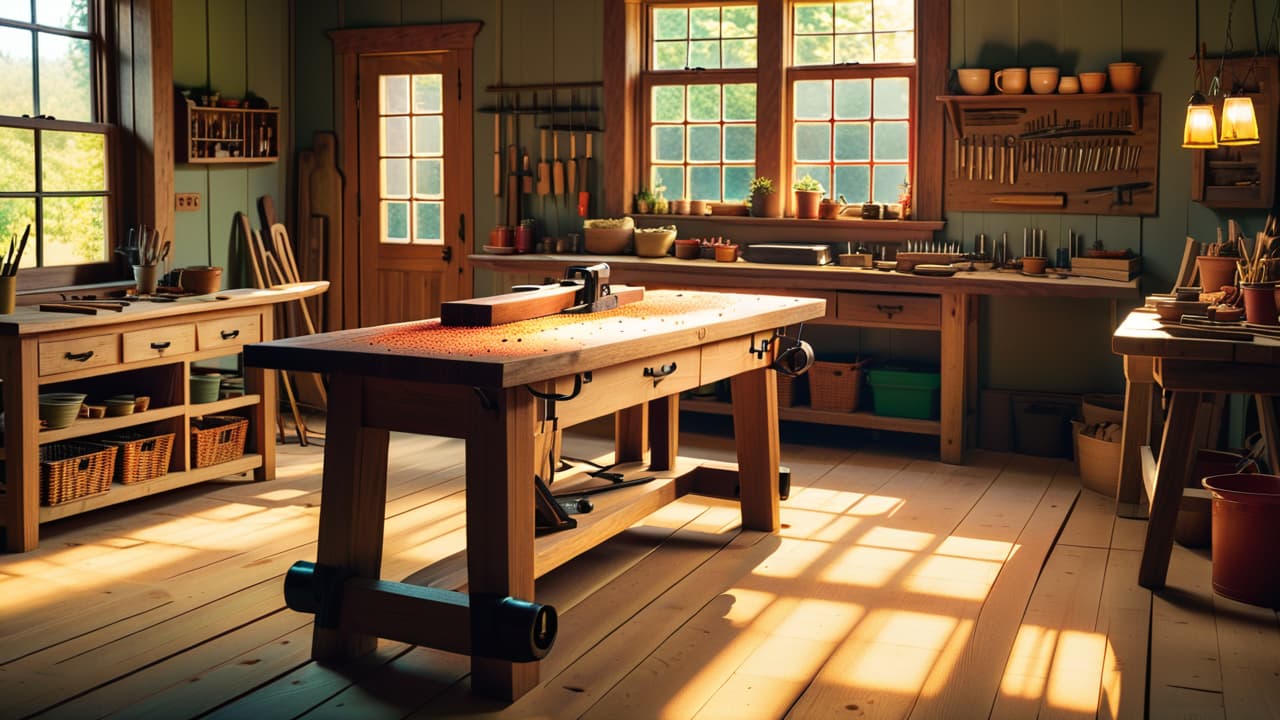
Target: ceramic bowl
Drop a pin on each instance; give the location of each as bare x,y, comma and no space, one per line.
60,409
608,241
119,405
201,280
654,242
1173,310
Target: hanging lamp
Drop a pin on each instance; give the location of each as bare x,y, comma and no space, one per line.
1200,131
1239,121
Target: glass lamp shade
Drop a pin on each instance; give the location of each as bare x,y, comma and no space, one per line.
1239,123
1201,129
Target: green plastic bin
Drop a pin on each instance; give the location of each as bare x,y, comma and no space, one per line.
905,393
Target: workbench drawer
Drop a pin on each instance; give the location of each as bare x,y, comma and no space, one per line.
901,311
60,356
228,332
727,358
628,384
158,342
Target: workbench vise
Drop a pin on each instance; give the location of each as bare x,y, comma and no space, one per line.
594,293
493,626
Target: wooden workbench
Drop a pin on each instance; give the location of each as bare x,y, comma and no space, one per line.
478,384
855,297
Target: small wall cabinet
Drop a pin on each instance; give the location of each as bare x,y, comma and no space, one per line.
1242,176
208,135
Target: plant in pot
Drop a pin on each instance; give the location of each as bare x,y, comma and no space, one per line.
644,201
1218,266
808,197
830,209
1258,275
660,206
765,200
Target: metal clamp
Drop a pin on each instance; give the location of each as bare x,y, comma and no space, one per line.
659,373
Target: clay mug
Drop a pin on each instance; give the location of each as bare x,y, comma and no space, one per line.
974,81
1092,82
1012,81
1068,85
1044,80
1124,76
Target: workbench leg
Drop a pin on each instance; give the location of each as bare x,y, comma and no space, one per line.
1269,429
755,431
355,502
1138,390
954,340
1176,453
21,517
664,432
631,433
500,527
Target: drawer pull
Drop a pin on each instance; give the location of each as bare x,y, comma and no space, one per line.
889,310
660,372
230,334
80,357
161,345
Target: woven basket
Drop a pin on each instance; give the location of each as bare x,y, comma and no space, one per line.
142,457
217,438
835,386
791,390
72,470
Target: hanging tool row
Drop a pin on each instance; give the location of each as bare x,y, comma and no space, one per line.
1109,122
1002,158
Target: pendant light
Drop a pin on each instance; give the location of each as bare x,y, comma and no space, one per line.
1239,121
1200,131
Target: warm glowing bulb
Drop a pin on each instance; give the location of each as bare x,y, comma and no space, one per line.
1239,123
1201,130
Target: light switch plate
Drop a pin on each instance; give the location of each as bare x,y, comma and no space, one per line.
187,202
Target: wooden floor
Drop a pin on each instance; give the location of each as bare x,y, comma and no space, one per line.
898,587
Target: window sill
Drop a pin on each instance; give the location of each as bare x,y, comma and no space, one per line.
843,229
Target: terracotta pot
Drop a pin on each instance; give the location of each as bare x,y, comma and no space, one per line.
829,210
1216,271
1246,519
201,280
766,205
1260,303
807,203
727,253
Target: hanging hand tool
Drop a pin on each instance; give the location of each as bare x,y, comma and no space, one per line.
526,172
497,151
571,181
557,166
584,195
513,181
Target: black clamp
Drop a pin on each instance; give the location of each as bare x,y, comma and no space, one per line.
793,357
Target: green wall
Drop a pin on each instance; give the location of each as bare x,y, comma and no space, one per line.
1039,344
233,46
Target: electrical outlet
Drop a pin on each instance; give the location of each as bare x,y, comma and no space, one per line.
187,202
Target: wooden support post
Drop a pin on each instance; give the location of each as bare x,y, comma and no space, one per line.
631,433
21,518
1171,477
1139,387
954,333
664,432
755,430
262,382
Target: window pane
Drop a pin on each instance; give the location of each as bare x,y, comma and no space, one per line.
74,231
893,98
395,222
66,91
428,96
428,179
16,10
740,102
73,161
891,140
813,100
15,215
704,183
895,47
740,53
395,136
813,18
853,182
15,58
670,24
740,21
853,142
668,103
855,48
428,227
69,14
704,103
737,181
428,135
813,50
854,16
17,160
888,182
672,178
668,144
739,143
395,178
853,99
821,173
670,55
895,15
704,22
704,143
813,142
704,53
395,95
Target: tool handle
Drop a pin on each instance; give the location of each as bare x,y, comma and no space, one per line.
542,145
588,144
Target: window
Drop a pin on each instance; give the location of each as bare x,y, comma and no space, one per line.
53,143
411,164
701,112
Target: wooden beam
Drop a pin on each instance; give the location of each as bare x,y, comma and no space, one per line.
515,306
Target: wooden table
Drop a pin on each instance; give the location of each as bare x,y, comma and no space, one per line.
1186,367
478,384
855,298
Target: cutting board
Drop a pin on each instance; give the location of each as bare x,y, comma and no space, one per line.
326,202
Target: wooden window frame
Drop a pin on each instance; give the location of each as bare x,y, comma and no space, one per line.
625,168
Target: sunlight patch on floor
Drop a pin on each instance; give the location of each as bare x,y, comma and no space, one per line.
866,567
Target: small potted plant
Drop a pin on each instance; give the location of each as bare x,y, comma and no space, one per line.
644,201
808,197
660,205
1218,266
765,201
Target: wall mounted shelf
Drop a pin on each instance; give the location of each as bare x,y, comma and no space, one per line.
209,135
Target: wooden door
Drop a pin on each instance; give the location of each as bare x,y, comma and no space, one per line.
415,185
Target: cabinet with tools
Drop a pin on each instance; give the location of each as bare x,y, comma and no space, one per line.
226,134
1094,154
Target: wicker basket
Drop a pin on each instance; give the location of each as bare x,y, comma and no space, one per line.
791,390
72,470
835,386
142,457
217,439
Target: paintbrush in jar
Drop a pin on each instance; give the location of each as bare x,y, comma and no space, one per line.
10,267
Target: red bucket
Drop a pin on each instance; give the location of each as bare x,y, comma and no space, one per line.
1246,534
